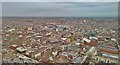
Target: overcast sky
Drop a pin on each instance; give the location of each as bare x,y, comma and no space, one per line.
60,0
61,9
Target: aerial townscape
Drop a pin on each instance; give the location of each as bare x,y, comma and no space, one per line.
60,40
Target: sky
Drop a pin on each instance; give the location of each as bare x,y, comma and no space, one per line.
61,9
60,0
